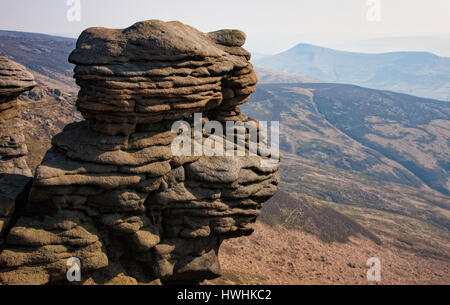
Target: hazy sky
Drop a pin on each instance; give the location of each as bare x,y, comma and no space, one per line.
271,25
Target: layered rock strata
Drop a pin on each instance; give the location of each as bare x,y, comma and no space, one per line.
112,191
14,171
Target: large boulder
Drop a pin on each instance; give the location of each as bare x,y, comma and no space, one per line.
112,191
154,71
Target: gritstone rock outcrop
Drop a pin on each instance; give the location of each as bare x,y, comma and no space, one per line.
14,171
112,193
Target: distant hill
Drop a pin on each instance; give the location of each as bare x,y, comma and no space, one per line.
437,44
272,76
418,73
45,55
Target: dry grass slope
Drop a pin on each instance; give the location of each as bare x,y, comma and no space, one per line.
276,255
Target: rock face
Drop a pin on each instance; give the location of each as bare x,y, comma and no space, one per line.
113,193
14,171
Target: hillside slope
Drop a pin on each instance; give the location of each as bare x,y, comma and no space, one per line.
275,255
44,55
308,215
388,136
302,241
417,73
45,112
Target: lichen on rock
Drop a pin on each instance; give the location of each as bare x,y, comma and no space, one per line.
112,193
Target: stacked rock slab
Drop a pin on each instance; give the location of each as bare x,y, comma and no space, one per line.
112,193
14,171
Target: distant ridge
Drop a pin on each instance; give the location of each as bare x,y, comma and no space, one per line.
29,34
418,73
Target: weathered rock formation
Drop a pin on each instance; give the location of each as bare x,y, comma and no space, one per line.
112,192
14,171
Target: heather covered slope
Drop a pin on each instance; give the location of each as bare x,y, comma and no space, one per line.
335,155
299,240
276,255
306,214
385,135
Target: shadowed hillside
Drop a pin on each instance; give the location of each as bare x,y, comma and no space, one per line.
311,217
389,136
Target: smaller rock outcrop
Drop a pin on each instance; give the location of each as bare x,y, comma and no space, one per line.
14,171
